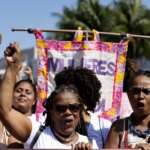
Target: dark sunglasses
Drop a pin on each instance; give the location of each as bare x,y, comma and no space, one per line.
136,90
74,108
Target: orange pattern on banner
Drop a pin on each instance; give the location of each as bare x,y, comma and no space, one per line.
115,50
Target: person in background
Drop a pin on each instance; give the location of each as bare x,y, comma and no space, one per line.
88,85
63,109
28,73
134,131
24,101
132,66
25,73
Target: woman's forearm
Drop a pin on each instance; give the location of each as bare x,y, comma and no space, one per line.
7,87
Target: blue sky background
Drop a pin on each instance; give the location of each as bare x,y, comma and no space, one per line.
31,14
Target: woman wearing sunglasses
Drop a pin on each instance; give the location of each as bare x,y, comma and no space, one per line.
89,86
63,109
134,131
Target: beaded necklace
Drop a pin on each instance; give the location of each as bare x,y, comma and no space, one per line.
132,129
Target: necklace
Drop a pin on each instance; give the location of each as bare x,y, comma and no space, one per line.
66,140
137,132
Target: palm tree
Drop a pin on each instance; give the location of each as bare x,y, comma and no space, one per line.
126,16
132,17
88,14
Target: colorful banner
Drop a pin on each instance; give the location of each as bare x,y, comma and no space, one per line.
106,59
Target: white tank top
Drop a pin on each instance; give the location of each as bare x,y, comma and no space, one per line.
132,136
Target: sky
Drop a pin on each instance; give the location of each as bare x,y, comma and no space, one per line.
31,14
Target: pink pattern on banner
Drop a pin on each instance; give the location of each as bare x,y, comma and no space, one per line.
117,51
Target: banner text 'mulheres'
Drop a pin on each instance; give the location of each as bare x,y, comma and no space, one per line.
101,67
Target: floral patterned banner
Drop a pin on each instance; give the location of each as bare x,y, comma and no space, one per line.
106,59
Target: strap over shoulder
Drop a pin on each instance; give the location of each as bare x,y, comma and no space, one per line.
38,133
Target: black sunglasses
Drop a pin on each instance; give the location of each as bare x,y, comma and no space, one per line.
74,108
137,90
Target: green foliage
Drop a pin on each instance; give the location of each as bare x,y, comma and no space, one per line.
88,14
132,17
125,16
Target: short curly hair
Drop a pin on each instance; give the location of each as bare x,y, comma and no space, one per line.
86,82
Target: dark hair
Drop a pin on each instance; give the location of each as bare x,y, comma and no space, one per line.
48,104
132,67
138,73
33,87
86,82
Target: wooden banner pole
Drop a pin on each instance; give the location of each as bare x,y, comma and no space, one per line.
85,31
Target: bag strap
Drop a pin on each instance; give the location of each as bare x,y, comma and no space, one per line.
124,138
38,133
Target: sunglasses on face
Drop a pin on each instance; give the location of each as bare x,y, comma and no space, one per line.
137,90
74,108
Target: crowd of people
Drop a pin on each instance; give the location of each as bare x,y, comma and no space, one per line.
70,121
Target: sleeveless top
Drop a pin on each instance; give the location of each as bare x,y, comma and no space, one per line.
47,139
132,136
4,134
